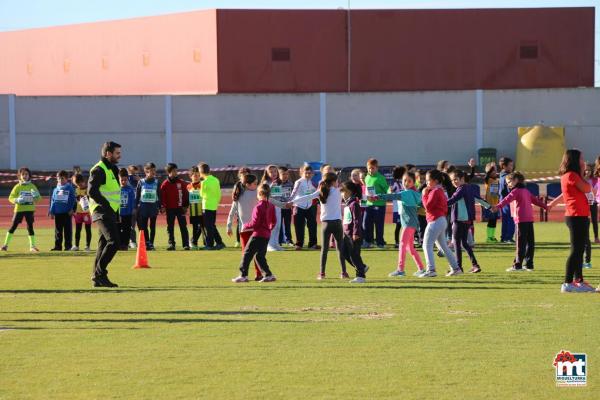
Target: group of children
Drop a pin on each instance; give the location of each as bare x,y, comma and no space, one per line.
142,200
431,209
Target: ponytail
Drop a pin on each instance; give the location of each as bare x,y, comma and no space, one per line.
325,186
240,186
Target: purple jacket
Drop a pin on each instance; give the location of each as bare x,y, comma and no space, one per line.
469,194
353,216
520,200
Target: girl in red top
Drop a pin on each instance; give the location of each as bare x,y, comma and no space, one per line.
577,217
436,208
262,223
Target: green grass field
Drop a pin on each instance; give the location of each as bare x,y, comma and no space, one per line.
181,330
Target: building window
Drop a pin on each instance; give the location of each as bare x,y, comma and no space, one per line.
280,54
528,51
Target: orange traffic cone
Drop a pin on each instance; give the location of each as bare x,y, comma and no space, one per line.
141,257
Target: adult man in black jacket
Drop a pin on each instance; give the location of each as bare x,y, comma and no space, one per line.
104,194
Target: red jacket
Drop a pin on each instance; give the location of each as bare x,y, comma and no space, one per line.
263,220
174,193
435,203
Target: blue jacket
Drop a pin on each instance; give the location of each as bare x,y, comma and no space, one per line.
145,192
127,200
462,203
63,199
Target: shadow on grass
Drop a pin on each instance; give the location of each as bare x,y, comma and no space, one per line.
38,328
178,312
151,320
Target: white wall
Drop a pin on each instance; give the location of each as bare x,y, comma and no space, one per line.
417,127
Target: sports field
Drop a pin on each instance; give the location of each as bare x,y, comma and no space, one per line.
181,330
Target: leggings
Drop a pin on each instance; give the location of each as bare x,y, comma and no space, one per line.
333,229
244,239
579,231
397,233
460,235
407,245
18,218
436,233
352,255
255,249
594,217
88,234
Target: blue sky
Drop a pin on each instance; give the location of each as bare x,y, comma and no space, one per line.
24,14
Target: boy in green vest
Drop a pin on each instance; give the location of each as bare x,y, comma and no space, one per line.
24,196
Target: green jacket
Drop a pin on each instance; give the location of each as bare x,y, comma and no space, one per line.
380,184
211,193
24,196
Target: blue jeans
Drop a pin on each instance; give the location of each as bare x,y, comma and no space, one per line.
374,217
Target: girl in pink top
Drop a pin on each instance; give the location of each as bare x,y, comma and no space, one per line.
520,200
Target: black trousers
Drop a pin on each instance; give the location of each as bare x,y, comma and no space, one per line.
594,218
285,233
18,218
579,232
460,239
144,222
63,229
525,245
125,231
197,223
256,248
177,214
352,255
306,218
328,229
108,245
88,234
210,224
422,227
132,237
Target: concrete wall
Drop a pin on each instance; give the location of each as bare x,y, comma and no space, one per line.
418,127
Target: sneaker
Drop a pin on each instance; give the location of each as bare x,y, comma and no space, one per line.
358,279
150,247
514,269
186,248
34,249
397,273
75,248
418,272
240,279
321,276
381,246
297,247
4,248
259,278
454,272
266,279
396,246
567,288
219,246
315,247
208,248
108,283
367,245
428,274
344,275
87,249
584,287
491,240
597,240
274,248
171,247
475,269
529,269
587,265
55,249
132,245
195,247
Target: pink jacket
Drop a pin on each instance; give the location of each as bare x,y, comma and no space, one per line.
263,220
520,200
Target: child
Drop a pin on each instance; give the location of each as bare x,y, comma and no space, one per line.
591,197
261,225
508,224
244,200
148,204
196,219
241,172
305,212
285,233
436,208
271,178
375,213
82,214
331,219
175,200
24,196
409,201
352,244
357,176
397,174
126,211
133,171
62,205
462,215
520,200
211,197
492,197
